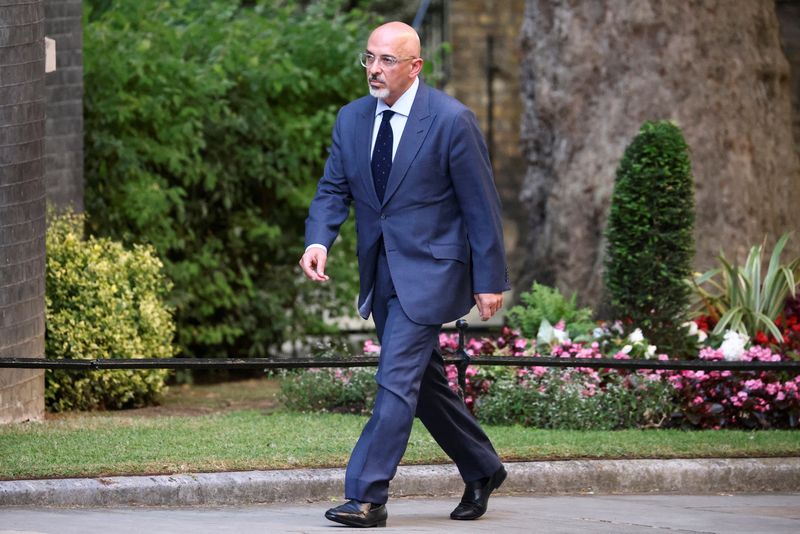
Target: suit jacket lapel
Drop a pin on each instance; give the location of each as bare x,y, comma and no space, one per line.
363,146
414,133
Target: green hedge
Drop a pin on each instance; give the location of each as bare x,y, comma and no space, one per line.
650,241
103,301
207,127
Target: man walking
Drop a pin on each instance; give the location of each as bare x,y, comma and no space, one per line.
430,246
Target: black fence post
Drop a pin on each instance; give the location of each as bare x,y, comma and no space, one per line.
461,353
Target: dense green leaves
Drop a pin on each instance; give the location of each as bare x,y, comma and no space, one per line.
650,242
103,301
547,303
207,125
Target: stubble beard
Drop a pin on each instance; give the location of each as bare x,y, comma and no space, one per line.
379,93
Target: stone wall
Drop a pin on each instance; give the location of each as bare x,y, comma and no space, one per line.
592,72
472,22
64,132
22,205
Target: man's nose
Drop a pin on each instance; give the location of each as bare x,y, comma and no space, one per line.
374,69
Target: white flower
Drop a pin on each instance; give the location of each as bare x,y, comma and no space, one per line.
626,349
692,326
694,330
597,332
636,336
651,351
560,335
732,347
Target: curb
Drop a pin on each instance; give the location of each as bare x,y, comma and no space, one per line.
733,475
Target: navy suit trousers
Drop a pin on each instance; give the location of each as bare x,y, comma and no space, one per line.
411,381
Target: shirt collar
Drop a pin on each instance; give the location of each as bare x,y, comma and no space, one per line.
403,104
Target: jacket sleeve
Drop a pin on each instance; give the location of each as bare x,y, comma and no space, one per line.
471,172
331,204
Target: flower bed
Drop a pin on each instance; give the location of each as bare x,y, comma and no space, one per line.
586,398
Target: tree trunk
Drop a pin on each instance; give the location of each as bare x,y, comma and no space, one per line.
593,72
788,12
22,205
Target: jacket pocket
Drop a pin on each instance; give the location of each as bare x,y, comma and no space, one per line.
449,252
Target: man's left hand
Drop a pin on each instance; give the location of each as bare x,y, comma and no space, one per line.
488,304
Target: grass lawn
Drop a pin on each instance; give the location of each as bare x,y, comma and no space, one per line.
237,427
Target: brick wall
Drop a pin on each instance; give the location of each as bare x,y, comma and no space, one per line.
64,132
22,205
471,22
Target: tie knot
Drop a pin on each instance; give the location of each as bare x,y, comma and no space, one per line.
387,116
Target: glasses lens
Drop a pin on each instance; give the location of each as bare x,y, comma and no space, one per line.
366,59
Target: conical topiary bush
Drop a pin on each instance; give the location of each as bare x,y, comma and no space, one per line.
649,234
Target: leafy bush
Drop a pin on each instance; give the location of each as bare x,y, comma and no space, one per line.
740,299
546,303
330,389
650,243
103,301
207,126
578,400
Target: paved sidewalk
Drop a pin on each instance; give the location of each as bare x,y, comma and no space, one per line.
728,514
743,475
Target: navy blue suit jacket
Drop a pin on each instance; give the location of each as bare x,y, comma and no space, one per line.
440,216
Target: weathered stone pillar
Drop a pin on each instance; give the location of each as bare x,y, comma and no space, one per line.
593,72
64,131
22,205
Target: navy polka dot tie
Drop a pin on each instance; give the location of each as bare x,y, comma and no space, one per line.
382,155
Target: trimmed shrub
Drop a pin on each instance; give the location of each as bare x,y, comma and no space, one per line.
578,400
330,390
103,301
207,128
650,242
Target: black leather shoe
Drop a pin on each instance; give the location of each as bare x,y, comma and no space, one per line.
355,513
476,496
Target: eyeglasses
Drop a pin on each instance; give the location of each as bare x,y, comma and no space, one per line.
386,62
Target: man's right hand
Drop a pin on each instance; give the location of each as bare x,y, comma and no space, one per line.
313,264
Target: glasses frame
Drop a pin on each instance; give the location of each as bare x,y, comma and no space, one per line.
387,62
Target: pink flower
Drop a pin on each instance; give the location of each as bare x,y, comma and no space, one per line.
371,347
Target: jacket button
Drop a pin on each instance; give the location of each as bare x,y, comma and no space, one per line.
383,217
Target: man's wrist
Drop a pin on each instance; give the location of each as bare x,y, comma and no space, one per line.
317,245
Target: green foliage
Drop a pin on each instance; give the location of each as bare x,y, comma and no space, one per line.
546,303
739,299
557,401
650,242
103,301
207,127
335,390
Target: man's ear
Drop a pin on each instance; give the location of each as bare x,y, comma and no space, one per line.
416,67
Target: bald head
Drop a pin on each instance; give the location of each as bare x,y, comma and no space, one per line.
398,35
394,48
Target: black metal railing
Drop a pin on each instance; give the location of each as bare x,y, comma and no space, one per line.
459,358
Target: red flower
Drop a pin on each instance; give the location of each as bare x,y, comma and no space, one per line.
761,338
